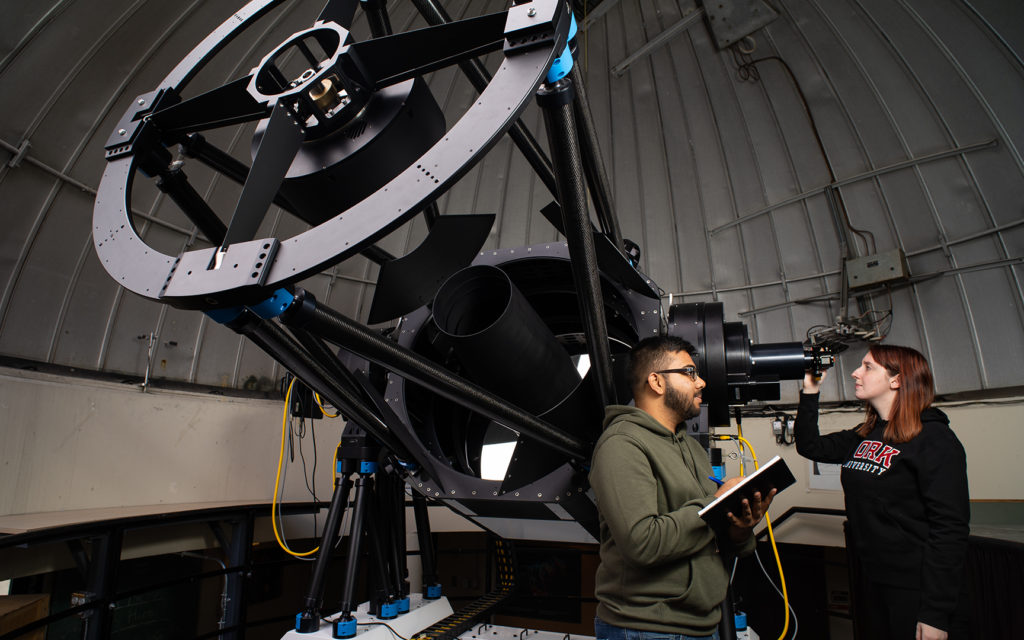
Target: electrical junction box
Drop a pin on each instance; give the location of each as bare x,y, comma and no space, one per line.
876,269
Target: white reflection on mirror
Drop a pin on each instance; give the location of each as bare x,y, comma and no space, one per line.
582,364
494,459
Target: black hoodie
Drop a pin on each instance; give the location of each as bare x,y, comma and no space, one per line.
907,504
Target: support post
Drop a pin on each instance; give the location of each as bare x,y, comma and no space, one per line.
175,184
555,100
377,16
309,620
593,165
382,600
431,585
237,555
102,581
345,625
727,625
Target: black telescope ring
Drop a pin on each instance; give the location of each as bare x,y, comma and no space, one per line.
264,265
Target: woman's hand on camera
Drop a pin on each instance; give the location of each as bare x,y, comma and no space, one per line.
812,382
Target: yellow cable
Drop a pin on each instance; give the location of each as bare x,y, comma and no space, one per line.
739,436
277,481
782,577
775,549
320,404
747,443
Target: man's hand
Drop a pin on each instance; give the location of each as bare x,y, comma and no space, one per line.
928,632
751,513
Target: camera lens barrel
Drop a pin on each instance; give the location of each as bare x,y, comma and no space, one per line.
787,360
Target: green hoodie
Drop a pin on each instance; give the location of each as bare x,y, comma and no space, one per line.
660,569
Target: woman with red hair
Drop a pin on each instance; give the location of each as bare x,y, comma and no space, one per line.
904,476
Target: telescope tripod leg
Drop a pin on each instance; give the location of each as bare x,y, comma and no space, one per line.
309,620
727,625
383,600
391,519
345,625
431,585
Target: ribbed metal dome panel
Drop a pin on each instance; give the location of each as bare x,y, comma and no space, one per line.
715,165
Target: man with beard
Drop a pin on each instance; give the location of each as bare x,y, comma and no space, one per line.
660,572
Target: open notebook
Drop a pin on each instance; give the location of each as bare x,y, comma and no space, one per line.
774,474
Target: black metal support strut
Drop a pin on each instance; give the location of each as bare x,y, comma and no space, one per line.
431,584
364,342
280,346
309,620
556,100
593,166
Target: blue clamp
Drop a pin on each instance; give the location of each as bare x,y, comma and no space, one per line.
563,63
224,316
274,305
403,604
388,611
306,623
345,628
741,620
367,467
337,467
433,592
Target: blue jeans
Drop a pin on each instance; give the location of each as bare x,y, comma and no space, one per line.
605,631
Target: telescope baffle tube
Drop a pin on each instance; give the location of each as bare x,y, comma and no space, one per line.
501,341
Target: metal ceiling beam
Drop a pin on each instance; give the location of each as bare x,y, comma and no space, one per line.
63,177
20,156
835,272
857,178
597,14
912,280
658,41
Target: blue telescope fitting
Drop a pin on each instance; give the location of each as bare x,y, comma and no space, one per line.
274,305
388,611
402,604
224,316
433,592
741,620
563,63
366,467
306,622
344,628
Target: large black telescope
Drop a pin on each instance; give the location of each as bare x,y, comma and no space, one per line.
486,393
490,389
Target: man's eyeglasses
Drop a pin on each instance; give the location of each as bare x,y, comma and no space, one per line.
686,371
